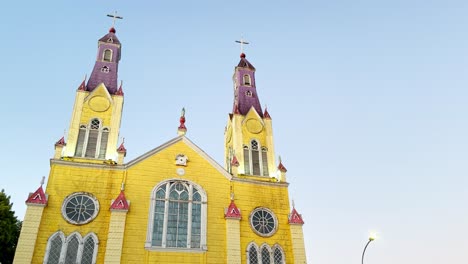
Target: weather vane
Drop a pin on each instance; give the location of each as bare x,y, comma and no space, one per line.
114,17
242,42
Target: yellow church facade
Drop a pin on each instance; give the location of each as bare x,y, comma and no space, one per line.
173,204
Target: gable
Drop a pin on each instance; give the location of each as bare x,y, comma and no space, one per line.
164,158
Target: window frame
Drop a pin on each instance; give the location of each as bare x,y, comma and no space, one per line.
66,239
73,195
110,55
275,221
248,161
203,220
86,130
247,80
259,249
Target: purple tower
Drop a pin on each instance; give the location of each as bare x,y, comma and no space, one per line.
245,92
107,63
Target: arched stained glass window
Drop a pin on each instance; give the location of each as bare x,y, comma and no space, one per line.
278,255
252,254
92,140
265,256
54,248
255,159
178,217
73,249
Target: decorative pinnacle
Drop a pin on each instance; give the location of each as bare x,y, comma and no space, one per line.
42,180
182,128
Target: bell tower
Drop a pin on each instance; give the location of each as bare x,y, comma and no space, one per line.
249,148
97,112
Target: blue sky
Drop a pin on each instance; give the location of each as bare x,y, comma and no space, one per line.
368,100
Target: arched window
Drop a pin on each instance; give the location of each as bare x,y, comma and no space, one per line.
246,79
92,140
255,159
177,216
246,160
278,255
73,249
264,161
107,56
89,249
252,254
266,254
54,248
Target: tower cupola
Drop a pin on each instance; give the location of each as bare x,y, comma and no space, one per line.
107,63
245,92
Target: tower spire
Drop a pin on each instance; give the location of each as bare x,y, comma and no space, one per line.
107,61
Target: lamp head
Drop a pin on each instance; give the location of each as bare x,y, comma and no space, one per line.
372,236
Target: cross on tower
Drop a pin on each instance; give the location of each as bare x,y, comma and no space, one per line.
114,17
242,42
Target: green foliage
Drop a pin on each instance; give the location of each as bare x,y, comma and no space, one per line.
10,229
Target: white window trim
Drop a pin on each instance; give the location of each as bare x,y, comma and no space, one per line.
260,158
275,229
101,130
250,245
71,196
62,236
65,241
111,55
248,78
271,251
277,246
149,233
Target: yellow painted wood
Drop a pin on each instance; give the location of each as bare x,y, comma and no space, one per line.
28,236
233,243
298,244
115,237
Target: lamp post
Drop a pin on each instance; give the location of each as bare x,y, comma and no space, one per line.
371,238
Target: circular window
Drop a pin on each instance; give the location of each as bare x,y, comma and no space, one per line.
80,208
263,222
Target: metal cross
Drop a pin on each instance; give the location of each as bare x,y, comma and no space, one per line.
242,42
114,17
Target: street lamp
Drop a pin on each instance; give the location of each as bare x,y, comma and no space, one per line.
372,237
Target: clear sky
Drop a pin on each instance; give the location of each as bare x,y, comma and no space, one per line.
368,101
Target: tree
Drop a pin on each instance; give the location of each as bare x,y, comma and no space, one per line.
10,228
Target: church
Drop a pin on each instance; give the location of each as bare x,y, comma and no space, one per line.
172,204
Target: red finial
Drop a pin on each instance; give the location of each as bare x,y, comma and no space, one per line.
182,128
112,30
242,55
